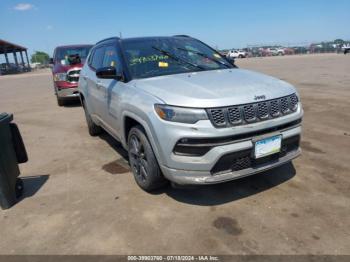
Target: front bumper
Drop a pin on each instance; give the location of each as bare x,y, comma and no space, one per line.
184,177
185,169
68,92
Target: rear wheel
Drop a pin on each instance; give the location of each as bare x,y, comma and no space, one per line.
94,130
143,162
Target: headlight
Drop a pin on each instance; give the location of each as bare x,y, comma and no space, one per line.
60,77
180,114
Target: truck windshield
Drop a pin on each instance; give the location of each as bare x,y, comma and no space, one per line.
165,56
62,54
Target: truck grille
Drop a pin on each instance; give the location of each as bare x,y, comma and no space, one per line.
254,112
73,75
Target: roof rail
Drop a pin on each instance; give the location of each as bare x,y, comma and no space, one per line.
181,36
109,38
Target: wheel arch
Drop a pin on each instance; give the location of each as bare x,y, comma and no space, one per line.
130,120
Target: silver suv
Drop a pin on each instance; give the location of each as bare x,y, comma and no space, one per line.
185,114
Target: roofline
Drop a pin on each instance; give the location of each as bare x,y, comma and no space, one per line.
14,45
76,45
118,38
109,38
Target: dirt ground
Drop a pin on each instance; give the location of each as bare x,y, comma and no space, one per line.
80,197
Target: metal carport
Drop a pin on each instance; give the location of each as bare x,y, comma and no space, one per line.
7,48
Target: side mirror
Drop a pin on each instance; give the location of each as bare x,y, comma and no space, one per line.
109,72
51,61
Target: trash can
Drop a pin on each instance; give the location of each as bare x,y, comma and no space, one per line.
12,153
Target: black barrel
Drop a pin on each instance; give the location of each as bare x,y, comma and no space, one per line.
12,152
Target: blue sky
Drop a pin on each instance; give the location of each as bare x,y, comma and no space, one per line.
42,24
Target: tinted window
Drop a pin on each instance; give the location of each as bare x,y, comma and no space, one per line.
164,56
111,57
62,53
97,58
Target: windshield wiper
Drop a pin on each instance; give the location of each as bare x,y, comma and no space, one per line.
205,56
164,52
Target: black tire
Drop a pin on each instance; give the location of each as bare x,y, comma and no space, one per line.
94,130
19,187
60,101
143,162
240,56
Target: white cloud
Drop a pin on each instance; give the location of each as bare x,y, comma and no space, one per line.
49,27
23,7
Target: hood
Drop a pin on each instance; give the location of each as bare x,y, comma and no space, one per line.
59,68
214,88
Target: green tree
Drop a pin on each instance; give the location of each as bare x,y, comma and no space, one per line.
339,41
40,57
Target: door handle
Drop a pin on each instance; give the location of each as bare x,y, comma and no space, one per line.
98,85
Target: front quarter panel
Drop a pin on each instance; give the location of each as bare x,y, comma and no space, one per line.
139,105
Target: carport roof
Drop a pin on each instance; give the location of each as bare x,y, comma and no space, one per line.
10,47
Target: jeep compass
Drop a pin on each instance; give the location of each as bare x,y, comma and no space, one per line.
186,114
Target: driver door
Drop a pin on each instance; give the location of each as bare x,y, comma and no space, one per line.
111,90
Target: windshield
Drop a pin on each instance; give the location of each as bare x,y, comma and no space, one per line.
166,56
62,54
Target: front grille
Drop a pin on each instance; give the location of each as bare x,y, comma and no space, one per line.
243,159
73,75
234,115
241,163
263,110
249,113
218,117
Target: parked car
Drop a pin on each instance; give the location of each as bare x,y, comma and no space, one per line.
185,114
236,54
346,48
9,68
276,51
66,63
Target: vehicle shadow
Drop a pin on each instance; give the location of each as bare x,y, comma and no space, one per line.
210,195
32,184
72,103
117,146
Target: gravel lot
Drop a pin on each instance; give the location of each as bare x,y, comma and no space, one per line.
80,197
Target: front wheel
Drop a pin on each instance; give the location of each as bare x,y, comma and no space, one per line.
60,101
143,162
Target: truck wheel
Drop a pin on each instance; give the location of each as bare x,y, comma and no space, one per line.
94,130
143,162
60,101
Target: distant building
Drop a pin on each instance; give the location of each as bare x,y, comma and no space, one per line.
7,48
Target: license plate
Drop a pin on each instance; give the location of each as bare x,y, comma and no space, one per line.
267,146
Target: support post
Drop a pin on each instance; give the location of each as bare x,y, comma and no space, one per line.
15,57
22,60
27,60
6,57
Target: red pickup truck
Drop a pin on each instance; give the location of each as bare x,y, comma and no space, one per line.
67,62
